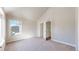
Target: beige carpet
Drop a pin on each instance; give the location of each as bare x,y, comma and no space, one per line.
37,44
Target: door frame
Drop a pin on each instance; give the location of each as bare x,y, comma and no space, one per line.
41,29
50,29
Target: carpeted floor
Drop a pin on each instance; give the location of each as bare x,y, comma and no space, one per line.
37,44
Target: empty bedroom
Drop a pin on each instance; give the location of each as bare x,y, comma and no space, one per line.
38,29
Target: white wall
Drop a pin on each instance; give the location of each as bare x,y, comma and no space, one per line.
28,16
28,29
63,24
77,17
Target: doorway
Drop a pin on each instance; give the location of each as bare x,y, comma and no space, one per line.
41,30
48,30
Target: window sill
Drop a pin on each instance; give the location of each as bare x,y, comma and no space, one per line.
17,33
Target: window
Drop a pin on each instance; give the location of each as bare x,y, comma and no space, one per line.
15,27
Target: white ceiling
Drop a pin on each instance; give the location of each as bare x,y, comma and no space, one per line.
30,13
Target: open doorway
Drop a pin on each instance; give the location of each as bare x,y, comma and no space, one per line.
41,30
48,30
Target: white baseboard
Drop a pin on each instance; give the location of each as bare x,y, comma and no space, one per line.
73,45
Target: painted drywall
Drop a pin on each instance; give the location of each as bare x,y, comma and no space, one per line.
77,27
28,28
63,24
28,17
41,30
31,13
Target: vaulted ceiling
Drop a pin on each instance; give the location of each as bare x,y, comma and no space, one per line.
30,13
